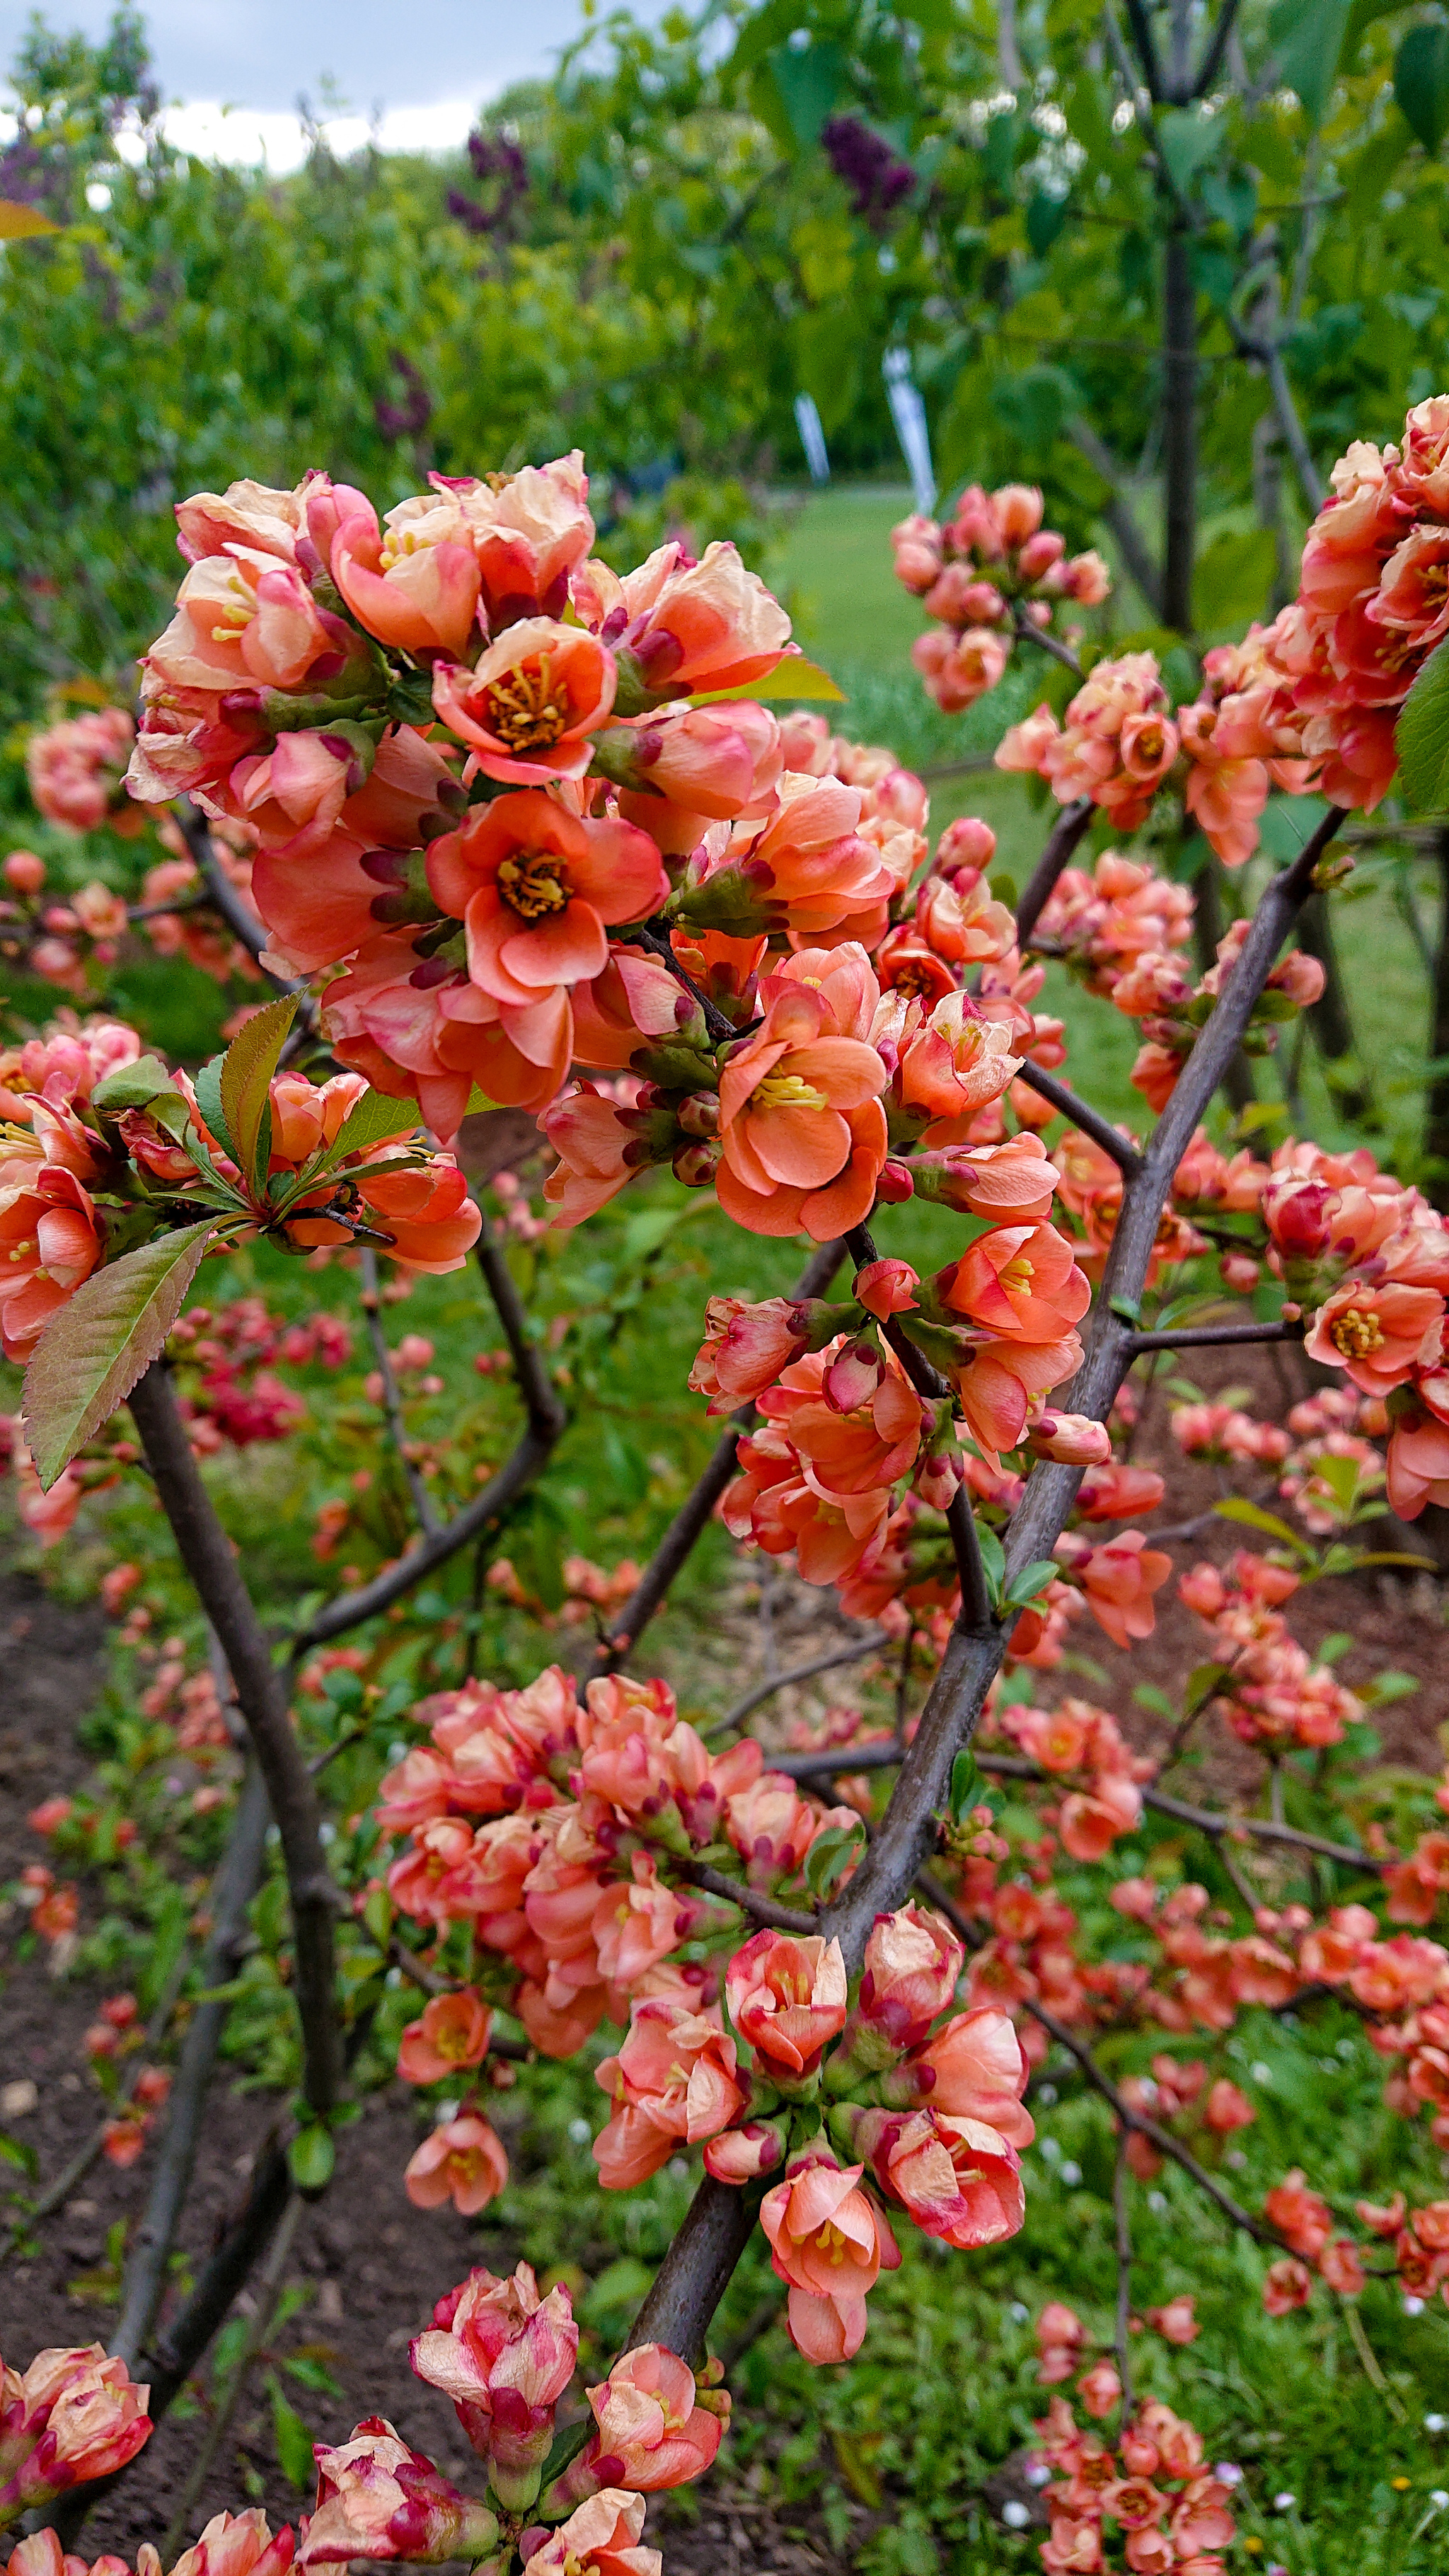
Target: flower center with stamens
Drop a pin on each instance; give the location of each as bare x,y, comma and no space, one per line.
1017,1276
533,883
526,711
22,1251
1356,1334
787,1091
832,2242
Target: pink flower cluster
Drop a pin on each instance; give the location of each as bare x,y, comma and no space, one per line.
990,562
76,771
1270,1692
1148,2497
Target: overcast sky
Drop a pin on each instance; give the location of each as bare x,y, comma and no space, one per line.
424,63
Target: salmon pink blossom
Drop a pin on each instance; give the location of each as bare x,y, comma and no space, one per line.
535,885
530,706
828,2242
463,2161
787,1999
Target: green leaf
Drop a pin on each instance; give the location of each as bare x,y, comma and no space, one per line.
1236,1508
97,1345
376,1117
294,2442
1202,1681
1045,217
1385,1687
1421,82
207,1088
312,2156
993,1558
829,1854
1188,141
1032,1579
131,1086
809,83
1147,1695
1421,736
246,1071
964,1776
1307,38
309,2372
795,676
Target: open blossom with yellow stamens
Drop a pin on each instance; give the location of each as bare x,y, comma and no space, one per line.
529,708
1379,1332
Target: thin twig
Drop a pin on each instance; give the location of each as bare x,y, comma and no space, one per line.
1192,1337
721,1028
761,1691
1042,636
1064,1100
391,1398
1071,826
976,1602
547,1420
761,1909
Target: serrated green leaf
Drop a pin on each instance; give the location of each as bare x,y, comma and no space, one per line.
96,1346
312,2156
1421,735
131,1086
294,2442
246,1072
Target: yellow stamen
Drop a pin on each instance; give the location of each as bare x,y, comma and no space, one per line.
525,712
787,1091
533,883
1017,1277
1356,1334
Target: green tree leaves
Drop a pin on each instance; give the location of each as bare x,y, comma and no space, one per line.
1421,82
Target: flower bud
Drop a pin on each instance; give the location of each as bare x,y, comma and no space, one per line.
25,872
698,1113
741,2155
377,2498
1071,1439
695,1165
886,1288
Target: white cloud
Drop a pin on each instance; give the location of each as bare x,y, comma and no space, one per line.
248,136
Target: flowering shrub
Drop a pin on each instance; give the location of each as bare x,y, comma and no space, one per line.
530,832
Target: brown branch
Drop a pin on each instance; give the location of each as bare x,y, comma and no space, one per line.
1193,1337
697,1509
237,914
1028,633
836,1761
761,1909
1071,827
209,1559
547,1419
1091,1122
